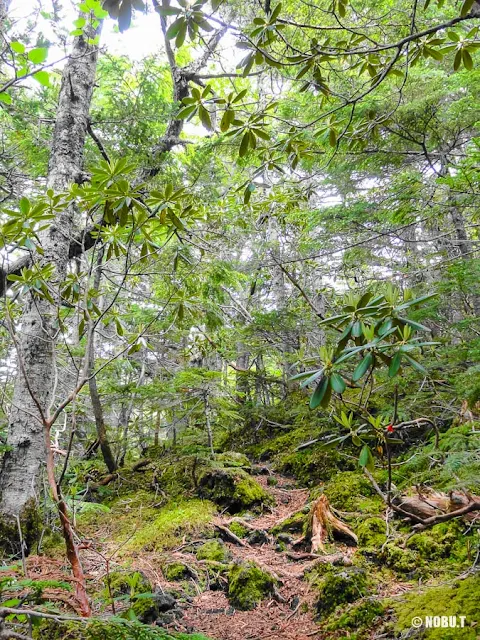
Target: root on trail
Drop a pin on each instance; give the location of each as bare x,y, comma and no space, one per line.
323,523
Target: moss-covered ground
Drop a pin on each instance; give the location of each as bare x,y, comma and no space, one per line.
163,520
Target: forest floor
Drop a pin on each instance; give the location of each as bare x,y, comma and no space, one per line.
288,615
280,618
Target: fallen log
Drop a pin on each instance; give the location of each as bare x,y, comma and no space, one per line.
430,507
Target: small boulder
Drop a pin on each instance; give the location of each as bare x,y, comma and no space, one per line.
248,585
214,551
232,489
257,537
342,587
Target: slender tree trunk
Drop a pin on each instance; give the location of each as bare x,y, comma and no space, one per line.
34,388
208,424
125,415
102,437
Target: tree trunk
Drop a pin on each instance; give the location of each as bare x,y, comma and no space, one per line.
36,367
102,437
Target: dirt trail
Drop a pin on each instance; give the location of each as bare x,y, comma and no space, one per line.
280,618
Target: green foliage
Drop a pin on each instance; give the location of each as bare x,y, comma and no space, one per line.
114,629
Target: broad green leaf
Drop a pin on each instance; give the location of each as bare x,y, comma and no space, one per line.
362,367
319,393
42,77
395,365
18,47
242,152
416,365
366,458
338,383
37,56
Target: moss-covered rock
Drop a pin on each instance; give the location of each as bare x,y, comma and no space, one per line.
372,533
358,618
213,550
248,585
459,599
175,571
340,587
233,489
106,630
233,459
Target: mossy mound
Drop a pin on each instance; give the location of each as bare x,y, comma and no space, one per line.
402,561
171,522
232,489
176,571
459,599
214,551
105,630
248,585
338,588
233,459
372,533
351,491
311,466
296,523
444,540
239,529
358,618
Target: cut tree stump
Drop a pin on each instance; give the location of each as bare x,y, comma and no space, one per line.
323,523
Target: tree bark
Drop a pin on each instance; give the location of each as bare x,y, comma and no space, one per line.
35,381
102,437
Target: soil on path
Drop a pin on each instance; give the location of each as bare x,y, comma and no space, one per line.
288,615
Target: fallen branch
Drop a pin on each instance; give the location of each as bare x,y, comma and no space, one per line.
429,505
231,536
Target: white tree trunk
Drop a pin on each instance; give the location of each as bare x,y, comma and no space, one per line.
38,330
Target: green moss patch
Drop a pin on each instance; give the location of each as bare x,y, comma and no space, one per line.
358,617
248,585
232,489
459,599
340,587
372,533
214,551
172,522
233,459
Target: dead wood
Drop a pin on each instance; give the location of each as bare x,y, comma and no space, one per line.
230,535
430,507
323,524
